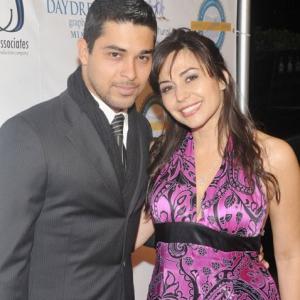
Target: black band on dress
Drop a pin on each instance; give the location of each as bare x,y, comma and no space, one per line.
187,232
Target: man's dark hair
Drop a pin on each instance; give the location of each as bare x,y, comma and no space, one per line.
137,12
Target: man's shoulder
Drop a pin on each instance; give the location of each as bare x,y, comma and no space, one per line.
43,109
143,124
38,115
142,119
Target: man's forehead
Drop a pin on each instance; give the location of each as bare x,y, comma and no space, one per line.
119,27
126,36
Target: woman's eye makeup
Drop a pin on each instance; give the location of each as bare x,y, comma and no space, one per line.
166,88
191,77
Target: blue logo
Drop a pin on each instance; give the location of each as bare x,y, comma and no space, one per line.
20,20
212,10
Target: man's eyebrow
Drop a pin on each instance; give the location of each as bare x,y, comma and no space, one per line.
150,51
116,48
113,47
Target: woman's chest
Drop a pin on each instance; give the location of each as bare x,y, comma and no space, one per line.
229,203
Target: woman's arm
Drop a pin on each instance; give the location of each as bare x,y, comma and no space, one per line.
146,229
285,217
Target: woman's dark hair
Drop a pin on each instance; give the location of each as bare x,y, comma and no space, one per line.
135,11
232,122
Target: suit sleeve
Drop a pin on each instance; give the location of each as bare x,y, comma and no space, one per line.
151,241
22,190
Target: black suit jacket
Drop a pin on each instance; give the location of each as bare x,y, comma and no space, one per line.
66,230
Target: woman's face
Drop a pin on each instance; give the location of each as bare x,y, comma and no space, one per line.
188,93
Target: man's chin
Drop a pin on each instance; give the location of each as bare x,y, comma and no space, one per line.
123,106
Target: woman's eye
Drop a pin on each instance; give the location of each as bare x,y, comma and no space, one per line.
165,89
191,78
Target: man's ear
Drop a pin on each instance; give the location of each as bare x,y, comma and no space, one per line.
83,51
222,84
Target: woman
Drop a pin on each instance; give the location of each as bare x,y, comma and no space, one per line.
214,180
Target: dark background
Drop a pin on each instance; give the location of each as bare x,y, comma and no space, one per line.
274,91
282,14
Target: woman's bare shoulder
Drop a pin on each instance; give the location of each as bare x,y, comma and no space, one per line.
275,151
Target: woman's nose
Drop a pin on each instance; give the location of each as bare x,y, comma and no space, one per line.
181,94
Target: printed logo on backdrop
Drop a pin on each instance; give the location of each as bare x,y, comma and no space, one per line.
75,11
11,22
160,9
212,21
20,18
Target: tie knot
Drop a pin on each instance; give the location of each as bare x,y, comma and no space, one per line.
117,124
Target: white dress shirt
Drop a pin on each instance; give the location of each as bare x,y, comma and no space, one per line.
110,114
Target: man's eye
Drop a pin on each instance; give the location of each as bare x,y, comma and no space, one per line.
115,54
144,58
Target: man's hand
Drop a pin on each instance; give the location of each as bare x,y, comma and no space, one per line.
261,258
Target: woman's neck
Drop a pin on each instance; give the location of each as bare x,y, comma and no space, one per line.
207,140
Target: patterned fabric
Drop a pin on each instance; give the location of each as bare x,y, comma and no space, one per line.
230,204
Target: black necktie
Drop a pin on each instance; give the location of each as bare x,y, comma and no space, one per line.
117,128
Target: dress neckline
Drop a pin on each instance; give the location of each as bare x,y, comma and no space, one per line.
199,216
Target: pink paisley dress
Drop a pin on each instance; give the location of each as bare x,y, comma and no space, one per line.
215,263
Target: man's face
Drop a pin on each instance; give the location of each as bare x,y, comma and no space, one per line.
119,64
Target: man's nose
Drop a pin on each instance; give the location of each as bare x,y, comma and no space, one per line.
129,69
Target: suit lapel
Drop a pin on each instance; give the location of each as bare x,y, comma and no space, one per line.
82,134
136,164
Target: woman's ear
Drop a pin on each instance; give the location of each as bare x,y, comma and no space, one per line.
83,51
222,84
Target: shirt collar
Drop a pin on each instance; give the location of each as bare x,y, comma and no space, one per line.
109,113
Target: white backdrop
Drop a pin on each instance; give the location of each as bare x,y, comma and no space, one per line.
38,52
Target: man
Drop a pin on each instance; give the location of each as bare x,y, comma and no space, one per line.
70,196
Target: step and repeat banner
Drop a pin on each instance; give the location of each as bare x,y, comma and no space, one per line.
38,51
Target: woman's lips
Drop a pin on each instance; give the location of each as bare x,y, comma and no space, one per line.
191,109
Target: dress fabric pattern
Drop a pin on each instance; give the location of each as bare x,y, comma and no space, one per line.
185,271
